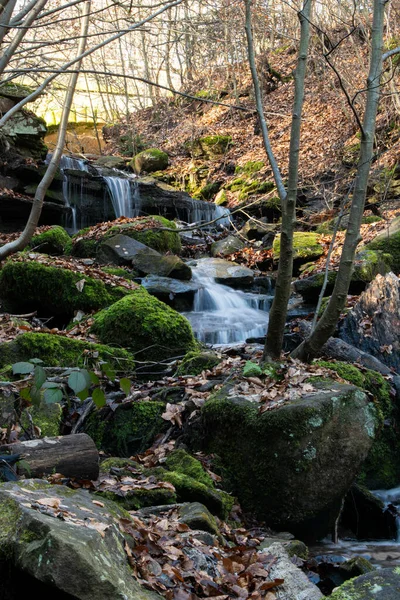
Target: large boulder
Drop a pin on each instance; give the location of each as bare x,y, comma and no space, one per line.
57,542
175,293
149,231
373,325
306,247
164,266
292,465
227,246
150,160
376,585
149,328
25,132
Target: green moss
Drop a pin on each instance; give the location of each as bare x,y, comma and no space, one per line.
247,187
10,515
305,245
207,94
156,331
345,370
389,245
162,241
250,167
140,498
52,241
150,160
46,416
351,154
369,263
31,285
251,369
371,219
82,248
120,272
130,430
120,463
209,190
15,90
190,490
56,350
196,362
182,462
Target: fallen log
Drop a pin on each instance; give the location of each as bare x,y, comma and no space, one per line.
70,455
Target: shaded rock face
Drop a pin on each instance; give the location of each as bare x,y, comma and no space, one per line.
81,556
292,465
25,132
373,325
175,293
376,585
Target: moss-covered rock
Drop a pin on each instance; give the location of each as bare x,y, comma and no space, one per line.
210,146
381,468
182,462
162,241
148,327
25,131
383,584
197,516
227,246
150,160
47,417
196,362
306,246
250,167
388,242
129,430
53,241
27,285
57,350
290,466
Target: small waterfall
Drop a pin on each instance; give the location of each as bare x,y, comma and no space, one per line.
72,191
198,211
125,196
391,498
222,315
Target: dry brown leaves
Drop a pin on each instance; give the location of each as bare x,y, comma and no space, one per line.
135,224
168,558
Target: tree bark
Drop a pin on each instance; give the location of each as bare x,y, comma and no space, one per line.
70,455
278,312
327,324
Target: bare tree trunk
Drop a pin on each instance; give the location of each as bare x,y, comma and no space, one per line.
26,235
326,326
278,313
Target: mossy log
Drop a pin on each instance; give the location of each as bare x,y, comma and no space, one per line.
71,455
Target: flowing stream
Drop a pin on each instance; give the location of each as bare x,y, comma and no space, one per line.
72,191
125,196
222,315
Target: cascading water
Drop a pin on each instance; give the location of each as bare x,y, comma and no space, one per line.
198,211
71,189
125,196
391,498
222,315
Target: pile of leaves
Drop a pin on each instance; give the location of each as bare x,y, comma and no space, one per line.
135,224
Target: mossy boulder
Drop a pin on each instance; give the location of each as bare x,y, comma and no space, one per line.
306,246
227,246
162,241
383,585
210,146
53,241
148,327
129,430
47,417
196,362
80,558
60,351
292,465
388,242
197,516
182,462
27,285
150,160
381,468
250,167
25,131
154,263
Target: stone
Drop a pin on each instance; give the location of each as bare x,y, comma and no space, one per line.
226,246
197,516
163,266
174,292
292,465
150,160
389,242
366,516
306,247
296,585
257,229
373,324
26,131
383,584
120,250
225,271
110,162
81,554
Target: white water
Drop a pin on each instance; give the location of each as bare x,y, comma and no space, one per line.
222,315
198,211
125,196
72,190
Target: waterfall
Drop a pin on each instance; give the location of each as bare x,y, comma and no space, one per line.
198,211
72,190
222,315
391,497
125,196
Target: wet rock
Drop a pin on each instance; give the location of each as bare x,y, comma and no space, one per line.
373,325
197,516
225,272
120,250
81,554
383,585
175,293
292,465
255,229
365,516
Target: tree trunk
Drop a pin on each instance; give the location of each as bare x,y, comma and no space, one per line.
327,324
70,455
